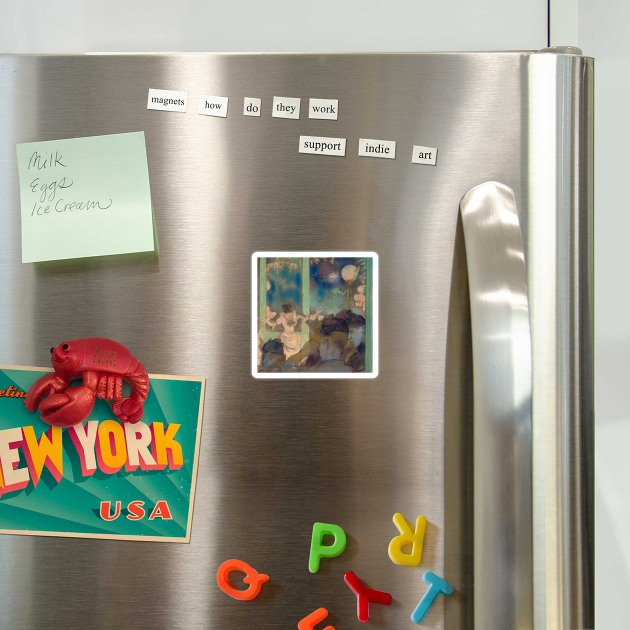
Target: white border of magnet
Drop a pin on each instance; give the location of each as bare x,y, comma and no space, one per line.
319,254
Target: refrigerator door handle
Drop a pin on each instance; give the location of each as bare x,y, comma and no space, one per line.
502,373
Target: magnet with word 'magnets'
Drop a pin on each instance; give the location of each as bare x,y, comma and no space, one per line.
319,551
252,577
309,623
407,537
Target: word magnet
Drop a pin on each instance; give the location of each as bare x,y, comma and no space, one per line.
424,155
323,108
365,595
319,551
252,577
436,586
407,537
285,107
377,148
213,106
251,106
167,100
322,146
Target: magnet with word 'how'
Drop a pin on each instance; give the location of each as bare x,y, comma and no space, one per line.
319,550
309,623
436,586
252,577
365,595
407,537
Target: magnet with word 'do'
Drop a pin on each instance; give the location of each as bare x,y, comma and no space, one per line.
252,577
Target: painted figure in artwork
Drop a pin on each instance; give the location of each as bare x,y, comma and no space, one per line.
359,299
289,319
272,356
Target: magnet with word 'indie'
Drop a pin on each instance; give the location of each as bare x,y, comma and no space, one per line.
252,577
365,595
319,551
407,537
436,586
309,623
102,364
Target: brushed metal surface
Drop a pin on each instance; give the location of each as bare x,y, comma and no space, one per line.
560,276
275,455
502,368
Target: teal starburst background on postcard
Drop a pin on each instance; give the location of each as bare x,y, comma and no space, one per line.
72,505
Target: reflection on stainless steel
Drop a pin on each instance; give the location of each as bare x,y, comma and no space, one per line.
277,456
502,364
559,256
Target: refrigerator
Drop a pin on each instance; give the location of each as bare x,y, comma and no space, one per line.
471,229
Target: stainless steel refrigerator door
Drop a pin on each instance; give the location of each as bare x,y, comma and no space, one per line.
277,456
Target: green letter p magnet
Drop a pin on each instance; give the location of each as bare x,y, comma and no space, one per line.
319,551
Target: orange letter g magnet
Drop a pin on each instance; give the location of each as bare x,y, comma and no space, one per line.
252,577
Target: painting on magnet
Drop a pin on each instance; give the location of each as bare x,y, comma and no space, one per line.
315,315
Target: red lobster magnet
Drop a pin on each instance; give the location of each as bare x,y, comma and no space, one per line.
103,364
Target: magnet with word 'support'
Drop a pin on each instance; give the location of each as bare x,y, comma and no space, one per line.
407,537
252,577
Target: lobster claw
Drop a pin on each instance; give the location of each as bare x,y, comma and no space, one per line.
128,410
43,386
68,408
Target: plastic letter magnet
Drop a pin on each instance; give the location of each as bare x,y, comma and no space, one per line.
308,623
407,537
365,596
319,551
252,577
436,586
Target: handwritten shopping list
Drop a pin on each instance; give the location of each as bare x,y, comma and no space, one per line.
85,197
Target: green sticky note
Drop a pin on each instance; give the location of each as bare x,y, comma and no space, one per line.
85,197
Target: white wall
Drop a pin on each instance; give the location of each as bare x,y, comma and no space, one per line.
603,27
280,25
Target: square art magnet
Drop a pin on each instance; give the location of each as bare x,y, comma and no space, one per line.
314,315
